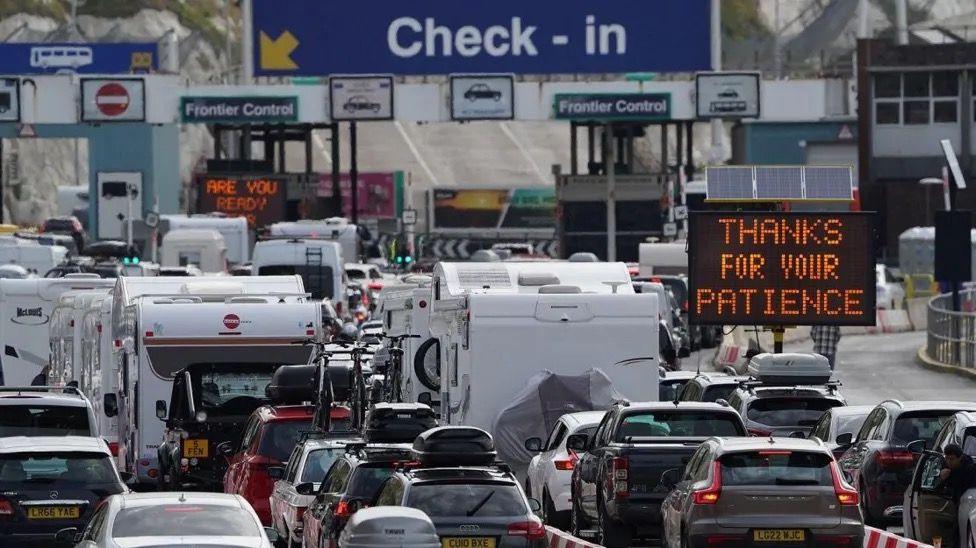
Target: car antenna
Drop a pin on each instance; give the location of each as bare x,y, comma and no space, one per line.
182,496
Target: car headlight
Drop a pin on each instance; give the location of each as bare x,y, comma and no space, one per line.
201,416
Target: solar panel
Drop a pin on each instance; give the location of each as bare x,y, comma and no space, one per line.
729,183
779,182
829,182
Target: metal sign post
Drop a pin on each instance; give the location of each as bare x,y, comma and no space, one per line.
610,164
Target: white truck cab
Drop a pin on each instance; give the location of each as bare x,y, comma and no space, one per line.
319,263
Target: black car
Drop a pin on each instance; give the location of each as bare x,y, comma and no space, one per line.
882,457
359,102
50,483
482,91
68,225
710,387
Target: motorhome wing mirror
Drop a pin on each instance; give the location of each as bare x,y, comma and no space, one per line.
161,410
534,445
845,439
305,488
110,405
225,448
425,398
577,442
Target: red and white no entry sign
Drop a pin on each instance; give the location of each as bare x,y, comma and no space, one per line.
112,99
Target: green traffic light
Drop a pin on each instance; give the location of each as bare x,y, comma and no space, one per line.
409,259
125,260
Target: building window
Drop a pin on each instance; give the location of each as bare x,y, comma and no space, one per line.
915,112
945,84
887,85
945,112
887,112
916,84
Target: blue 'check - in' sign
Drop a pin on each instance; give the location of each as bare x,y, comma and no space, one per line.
321,37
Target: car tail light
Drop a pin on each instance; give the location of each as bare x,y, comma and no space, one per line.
717,540
375,286
113,447
621,476
834,539
531,530
6,508
342,510
846,495
760,433
566,464
894,458
710,494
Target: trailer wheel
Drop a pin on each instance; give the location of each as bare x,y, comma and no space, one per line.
420,364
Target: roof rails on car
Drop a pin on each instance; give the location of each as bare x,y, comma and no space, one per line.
62,389
321,434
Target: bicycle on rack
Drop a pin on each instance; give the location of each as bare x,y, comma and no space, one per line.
393,379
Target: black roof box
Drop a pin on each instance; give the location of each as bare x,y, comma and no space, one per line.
292,384
398,422
455,446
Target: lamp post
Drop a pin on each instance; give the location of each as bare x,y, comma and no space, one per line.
926,183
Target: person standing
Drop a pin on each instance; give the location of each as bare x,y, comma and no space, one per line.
825,341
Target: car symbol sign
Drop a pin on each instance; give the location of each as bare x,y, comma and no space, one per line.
232,321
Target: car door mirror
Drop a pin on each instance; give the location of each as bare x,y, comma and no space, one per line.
126,476
275,473
110,405
845,439
67,535
304,488
535,506
225,448
533,445
671,477
578,442
917,447
425,398
161,410
723,402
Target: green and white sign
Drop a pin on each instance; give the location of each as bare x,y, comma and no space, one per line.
608,107
238,109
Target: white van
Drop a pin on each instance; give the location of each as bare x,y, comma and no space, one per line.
203,247
165,334
662,258
405,310
336,229
318,262
498,324
233,229
37,259
25,314
65,331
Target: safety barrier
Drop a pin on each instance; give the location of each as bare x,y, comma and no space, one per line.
876,538
873,538
893,321
952,335
918,312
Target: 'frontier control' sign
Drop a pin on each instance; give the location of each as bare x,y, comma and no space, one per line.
238,109
612,106
774,268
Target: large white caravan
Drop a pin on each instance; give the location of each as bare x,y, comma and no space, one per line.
336,229
319,262
99,375
405,310
233,229
65,331
203,247
662,258
37,259
25,313
498,324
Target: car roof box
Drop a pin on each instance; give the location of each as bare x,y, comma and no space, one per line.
455,446
398,422
790,369
292,384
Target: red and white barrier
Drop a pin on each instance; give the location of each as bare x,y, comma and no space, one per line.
876,538
562,539
894,321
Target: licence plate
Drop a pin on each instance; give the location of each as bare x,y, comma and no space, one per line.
53,512
779,535
468,542
196,448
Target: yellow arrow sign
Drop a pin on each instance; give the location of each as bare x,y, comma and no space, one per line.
276,54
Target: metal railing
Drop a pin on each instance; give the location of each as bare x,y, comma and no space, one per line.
952,335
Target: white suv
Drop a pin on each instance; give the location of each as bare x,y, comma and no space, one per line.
551,471
45,411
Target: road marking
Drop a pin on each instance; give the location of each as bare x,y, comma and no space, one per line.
416,154
525,154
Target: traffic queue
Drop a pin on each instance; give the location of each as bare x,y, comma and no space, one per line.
472,407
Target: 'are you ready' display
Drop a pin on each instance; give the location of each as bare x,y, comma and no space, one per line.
778,268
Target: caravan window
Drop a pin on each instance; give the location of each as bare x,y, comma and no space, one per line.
187,258
317,279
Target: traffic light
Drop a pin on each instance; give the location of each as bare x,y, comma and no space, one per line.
131,255
401,254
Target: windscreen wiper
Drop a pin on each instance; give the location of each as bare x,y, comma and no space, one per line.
478,506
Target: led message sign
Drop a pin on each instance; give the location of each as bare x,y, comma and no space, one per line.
260,199
772,268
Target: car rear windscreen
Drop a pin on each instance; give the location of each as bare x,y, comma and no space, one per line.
467,500
367,479
918,426
318,462
715,392
789,411
775,467
185,519
41,420
53,470
678,424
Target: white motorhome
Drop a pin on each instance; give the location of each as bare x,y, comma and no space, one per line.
203,247
25,313
336,229
662,258
65,332
36,258
233,229
498,324
405,310
99,375
165,334
319,263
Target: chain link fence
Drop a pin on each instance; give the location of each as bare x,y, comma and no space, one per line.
952,335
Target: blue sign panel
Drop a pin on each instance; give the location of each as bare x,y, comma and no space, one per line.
321,37
52,58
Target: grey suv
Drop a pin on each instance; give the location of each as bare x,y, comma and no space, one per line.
761,491
45,411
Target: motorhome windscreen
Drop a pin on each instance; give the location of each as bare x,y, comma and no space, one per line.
317,278
165,361
224,388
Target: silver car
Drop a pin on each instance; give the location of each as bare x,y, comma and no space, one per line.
138,520
761,491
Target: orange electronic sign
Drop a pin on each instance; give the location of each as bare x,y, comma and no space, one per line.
774,268
260,199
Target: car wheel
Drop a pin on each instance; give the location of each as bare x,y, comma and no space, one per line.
869,519
610,533
559,520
